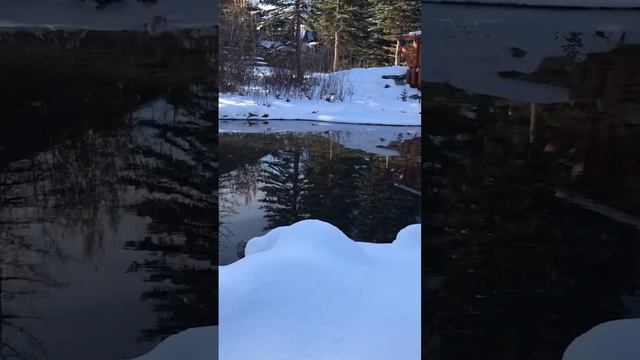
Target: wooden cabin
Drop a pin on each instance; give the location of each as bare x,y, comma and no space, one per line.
408,48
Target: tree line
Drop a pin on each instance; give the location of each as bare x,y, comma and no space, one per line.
311,35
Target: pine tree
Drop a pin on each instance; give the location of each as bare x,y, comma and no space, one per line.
392,18
345,24
289,15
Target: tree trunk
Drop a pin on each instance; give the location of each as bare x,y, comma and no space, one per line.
298,43
397,55
336,55
336,43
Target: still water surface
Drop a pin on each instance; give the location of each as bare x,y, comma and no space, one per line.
269,180
107,201
532,178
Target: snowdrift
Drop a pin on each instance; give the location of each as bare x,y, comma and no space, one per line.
601,4
370,100
613,340
307,291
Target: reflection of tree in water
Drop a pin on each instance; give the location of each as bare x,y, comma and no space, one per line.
235,187
313,177
512,272
283,183
573,46
383,209
331,179
77,187
239,170
70,188
66,143
21,278
178,167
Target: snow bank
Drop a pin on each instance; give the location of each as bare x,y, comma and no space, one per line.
127,14
611,4
307,291
319,239
192,344
468,46
371,100
613,340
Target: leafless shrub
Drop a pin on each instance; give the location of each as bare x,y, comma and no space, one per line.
237,45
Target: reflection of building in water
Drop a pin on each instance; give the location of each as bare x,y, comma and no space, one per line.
406,168
598,137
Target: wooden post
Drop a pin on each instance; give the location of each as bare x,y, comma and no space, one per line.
330,147
532,123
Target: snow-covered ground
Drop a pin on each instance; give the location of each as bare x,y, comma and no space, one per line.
127,14
613,340
468,46
555,3
370,100
370,138
307,291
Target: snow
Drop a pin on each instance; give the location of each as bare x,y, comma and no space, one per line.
268,44
127,14
613,340
307,291
368,101
554,3
468,45
191,344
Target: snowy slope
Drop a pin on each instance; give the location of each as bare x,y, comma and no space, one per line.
370,102
611,4
613,340
307,291
128,14
468,46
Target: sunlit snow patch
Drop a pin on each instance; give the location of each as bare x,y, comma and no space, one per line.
307,291
368,99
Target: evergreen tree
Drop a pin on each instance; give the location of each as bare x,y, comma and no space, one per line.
390,19
287,18
345,24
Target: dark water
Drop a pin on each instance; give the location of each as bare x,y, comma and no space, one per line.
271,180
107,197
532,179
